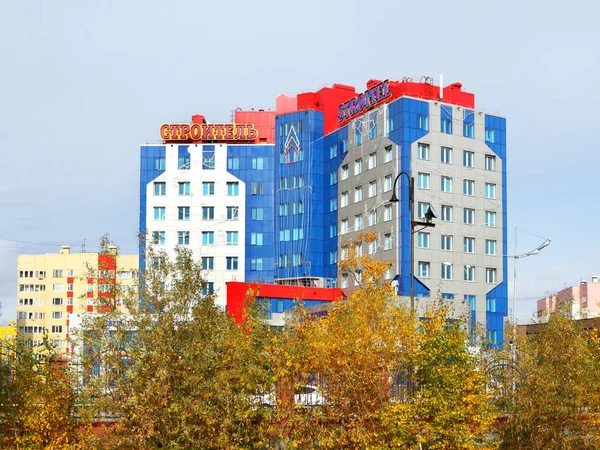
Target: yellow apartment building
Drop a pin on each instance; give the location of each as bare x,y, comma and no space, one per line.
55,291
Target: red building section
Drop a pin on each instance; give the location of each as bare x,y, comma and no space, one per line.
239,292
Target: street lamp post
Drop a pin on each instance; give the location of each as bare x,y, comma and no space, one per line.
429,216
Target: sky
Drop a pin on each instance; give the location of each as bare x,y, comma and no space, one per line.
84,84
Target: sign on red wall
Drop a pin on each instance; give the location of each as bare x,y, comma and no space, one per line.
208,132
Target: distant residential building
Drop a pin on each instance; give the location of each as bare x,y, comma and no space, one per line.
54,291
583,300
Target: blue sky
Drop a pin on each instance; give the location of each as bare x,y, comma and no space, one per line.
84,84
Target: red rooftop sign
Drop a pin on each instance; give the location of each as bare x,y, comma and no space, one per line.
208,132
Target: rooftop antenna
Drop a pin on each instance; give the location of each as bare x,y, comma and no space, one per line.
83,246
441,85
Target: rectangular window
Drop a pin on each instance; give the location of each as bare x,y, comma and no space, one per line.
387,183
372,218
358,194
358,167
208,288
422,239
57,328
233,163
469,216
57,315
255,214
358,278
468,187
344,146
358,222
183,212
183,162
332,151
284,235
446,155
490,162
57,274
332,257
232,263
446,184
256,264
208,157
389,156
256,188
422,209
258,163
423,151
208,263
283,209
345,172
160,212
372,161
297,234
256,239
332,204
446,119
446,271
490,190
469,123
344,200
298,208
387,213
373,125
332,231
297,259
469,245
208,188
344,282
372,189
490,305
469,273
490,219
159,163
183,237
332,178
446,213
158,237
373,247
423,269
387,241
423,180
490,275
468,159
208,237
490,135
358,132
344,226
184,188
446,242
208,213
233,188
232,238
233,212
57,301
160,188
422,122
490,247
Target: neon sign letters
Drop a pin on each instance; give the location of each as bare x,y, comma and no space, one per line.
364,101
208,132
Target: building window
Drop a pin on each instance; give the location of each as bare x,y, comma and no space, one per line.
446,213
57,328
373,247
490,135
183,237
160,188
332,257
423,180
256,188
490,162
208,157
469,123
490,305
183,162
387,183
233,212
372,125
158,237
160,213
358,222
469,273
208,188
332,231
469,245
297,233
372,161
446,271
446,119
332,151
233,163
389,156
422,209
422,122
446,155
232,263
184,188
332,178
372,189
344,146
159,163
344,226
283,209
358,194
387,241
298,208
208,237
423,151
208,288
258,163
232,238
423,269
332,204
490,247
490,190
358,167
490,275
255,213
256,239
233,188
208,263
387,213
446,184
468,159
183,212
446,242
468,187
358,278
490,219
358,132
422,239
284,235
372,218
57,301
208,213
57,315
469,216
358,249
57,274
344,281
345,172
256,264
297,259
344,200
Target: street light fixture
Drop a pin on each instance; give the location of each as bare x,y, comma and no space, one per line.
429,216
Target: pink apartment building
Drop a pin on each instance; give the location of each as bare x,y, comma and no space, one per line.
584,300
